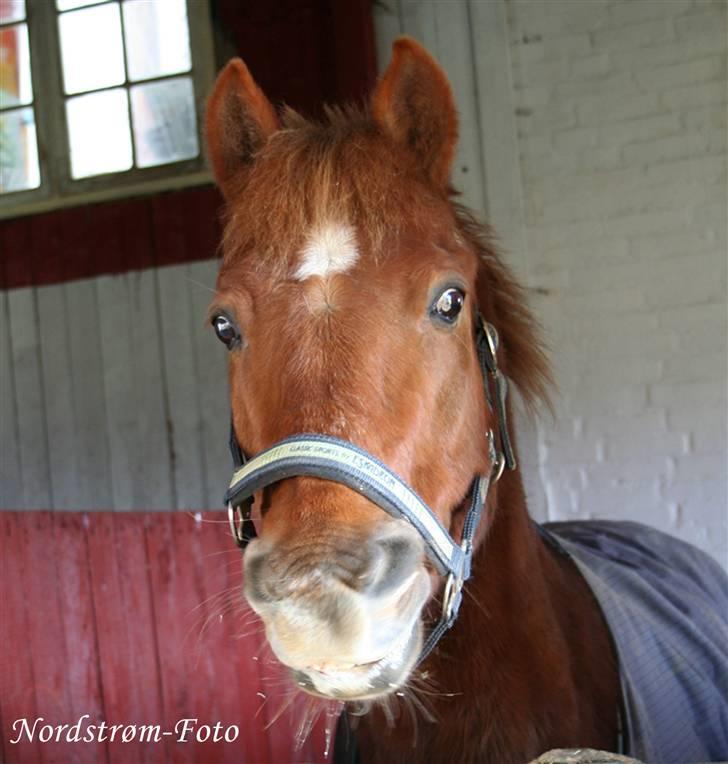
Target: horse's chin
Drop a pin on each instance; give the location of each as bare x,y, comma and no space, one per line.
367,681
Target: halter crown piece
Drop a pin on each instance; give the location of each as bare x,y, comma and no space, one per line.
340,461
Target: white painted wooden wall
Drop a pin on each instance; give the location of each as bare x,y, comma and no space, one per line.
113,394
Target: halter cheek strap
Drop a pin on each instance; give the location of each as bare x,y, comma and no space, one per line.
340,461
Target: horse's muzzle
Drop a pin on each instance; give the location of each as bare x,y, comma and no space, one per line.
342,612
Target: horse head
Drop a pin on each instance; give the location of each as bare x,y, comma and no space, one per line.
349,298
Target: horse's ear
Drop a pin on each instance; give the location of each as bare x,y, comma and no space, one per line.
238,122
413,102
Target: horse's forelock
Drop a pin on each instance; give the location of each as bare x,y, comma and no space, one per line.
338,170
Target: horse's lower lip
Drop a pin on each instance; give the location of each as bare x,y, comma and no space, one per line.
364,680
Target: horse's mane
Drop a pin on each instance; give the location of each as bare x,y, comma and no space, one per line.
504,302
342,168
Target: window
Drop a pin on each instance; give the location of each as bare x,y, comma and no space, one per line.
99,98
18,145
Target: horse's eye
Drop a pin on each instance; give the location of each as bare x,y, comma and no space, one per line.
448,305
226,330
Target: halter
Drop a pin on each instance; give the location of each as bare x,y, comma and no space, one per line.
340,461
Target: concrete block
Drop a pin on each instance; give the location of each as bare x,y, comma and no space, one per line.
543,73
706,169
597,109
697,287
567,46
644,58
666,149
554,235
695,96
643,34
705,118
602,304
595,403
590,67
708,21
642,223
631,13
682,73
659,246
640,129
569,141
711,395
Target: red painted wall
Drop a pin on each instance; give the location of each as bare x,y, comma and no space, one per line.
137,619
131,234
302,52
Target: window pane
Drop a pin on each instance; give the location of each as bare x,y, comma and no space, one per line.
165,128
98,129
67,5
15,86
157,38
92,48
18,151
11,10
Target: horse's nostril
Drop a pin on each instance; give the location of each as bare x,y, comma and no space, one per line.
397,552
376,566
257,584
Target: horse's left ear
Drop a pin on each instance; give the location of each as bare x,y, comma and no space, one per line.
414,104
238,121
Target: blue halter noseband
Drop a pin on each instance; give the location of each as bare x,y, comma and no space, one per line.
340,461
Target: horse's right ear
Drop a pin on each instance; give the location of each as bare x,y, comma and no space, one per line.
238,122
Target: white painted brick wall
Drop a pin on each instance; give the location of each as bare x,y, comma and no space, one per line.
621,115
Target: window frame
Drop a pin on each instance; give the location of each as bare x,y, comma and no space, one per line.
58,189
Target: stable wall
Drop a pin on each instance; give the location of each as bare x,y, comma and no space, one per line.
593,136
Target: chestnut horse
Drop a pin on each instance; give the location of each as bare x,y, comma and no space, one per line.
351,293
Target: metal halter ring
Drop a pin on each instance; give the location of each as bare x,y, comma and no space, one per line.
498,467
237,519
491,334
453,586
497,459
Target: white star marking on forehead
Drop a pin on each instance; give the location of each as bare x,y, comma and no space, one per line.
329,249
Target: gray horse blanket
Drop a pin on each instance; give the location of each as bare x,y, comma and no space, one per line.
666,604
